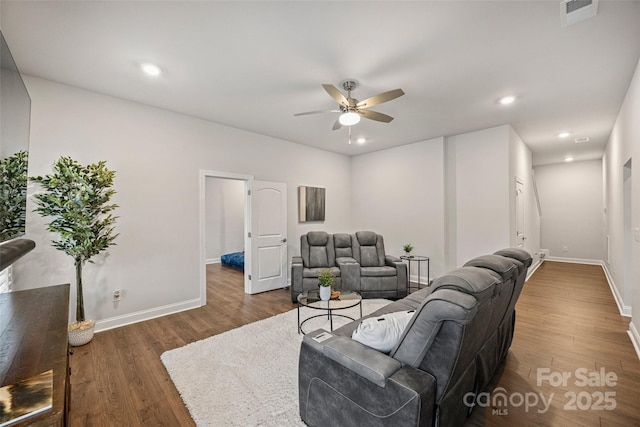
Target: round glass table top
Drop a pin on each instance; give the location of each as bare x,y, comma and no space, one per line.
347,299
414,257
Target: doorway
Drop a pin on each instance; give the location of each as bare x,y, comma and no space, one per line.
265,249
224,233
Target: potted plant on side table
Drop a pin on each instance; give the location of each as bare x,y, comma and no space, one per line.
325,282
77,197
407,249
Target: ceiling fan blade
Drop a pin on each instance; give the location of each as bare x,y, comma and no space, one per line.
336,94
374,115
380,98
337,125
316,112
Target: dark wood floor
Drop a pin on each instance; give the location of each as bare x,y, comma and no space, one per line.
566,320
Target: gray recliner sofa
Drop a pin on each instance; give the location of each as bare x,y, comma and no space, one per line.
458,336
317,253
358,262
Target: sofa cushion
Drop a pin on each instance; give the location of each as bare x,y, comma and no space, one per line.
318,238
315,272
367,238
443,305
382,332
507,268
476,281
318,256
516,253
377,271
342,244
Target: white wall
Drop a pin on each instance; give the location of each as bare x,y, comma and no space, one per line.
399,193
624,144
571,201
451,198
480,193
224,211
157,156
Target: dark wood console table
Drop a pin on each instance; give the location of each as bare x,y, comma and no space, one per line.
33,339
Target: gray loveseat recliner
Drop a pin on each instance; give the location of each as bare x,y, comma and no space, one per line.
358,262
454,343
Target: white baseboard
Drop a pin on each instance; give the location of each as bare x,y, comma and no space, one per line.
423,279
532,268
213,261
574,260
127,319
635,338
625,310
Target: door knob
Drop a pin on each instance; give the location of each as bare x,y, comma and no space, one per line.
283,241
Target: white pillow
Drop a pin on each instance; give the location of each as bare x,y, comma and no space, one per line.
383,332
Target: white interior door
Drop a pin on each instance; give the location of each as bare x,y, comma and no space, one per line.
268,236
520,214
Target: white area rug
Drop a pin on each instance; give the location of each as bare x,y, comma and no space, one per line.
248,376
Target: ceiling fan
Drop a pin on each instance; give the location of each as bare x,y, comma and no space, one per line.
352,109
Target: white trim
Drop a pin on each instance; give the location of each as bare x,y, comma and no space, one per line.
533,268
635,338
574,260
140,316
625,310
423,280
213,261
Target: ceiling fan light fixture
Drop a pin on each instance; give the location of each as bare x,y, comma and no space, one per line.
349,118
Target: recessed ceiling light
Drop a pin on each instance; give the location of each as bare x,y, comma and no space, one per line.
568,159
506,100
361,140
151,69
563,135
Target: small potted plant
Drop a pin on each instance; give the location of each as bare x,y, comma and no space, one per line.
77,198
325,282
407,249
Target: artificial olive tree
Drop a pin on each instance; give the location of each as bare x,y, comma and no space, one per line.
13,195
77,198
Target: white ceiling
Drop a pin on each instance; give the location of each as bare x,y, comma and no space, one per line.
252,65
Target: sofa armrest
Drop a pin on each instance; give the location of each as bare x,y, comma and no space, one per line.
327,387
349,273
296,277
364,361
391,260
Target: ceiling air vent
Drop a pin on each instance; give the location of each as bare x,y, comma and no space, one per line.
582,139
572,11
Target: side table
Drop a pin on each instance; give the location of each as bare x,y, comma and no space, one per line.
311,299
419,259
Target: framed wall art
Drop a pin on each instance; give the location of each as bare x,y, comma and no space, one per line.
310,203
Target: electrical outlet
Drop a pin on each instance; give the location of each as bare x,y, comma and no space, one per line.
117,294
565,249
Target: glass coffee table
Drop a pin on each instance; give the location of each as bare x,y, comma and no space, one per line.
311,299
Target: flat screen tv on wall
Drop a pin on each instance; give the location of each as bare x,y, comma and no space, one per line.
15,118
